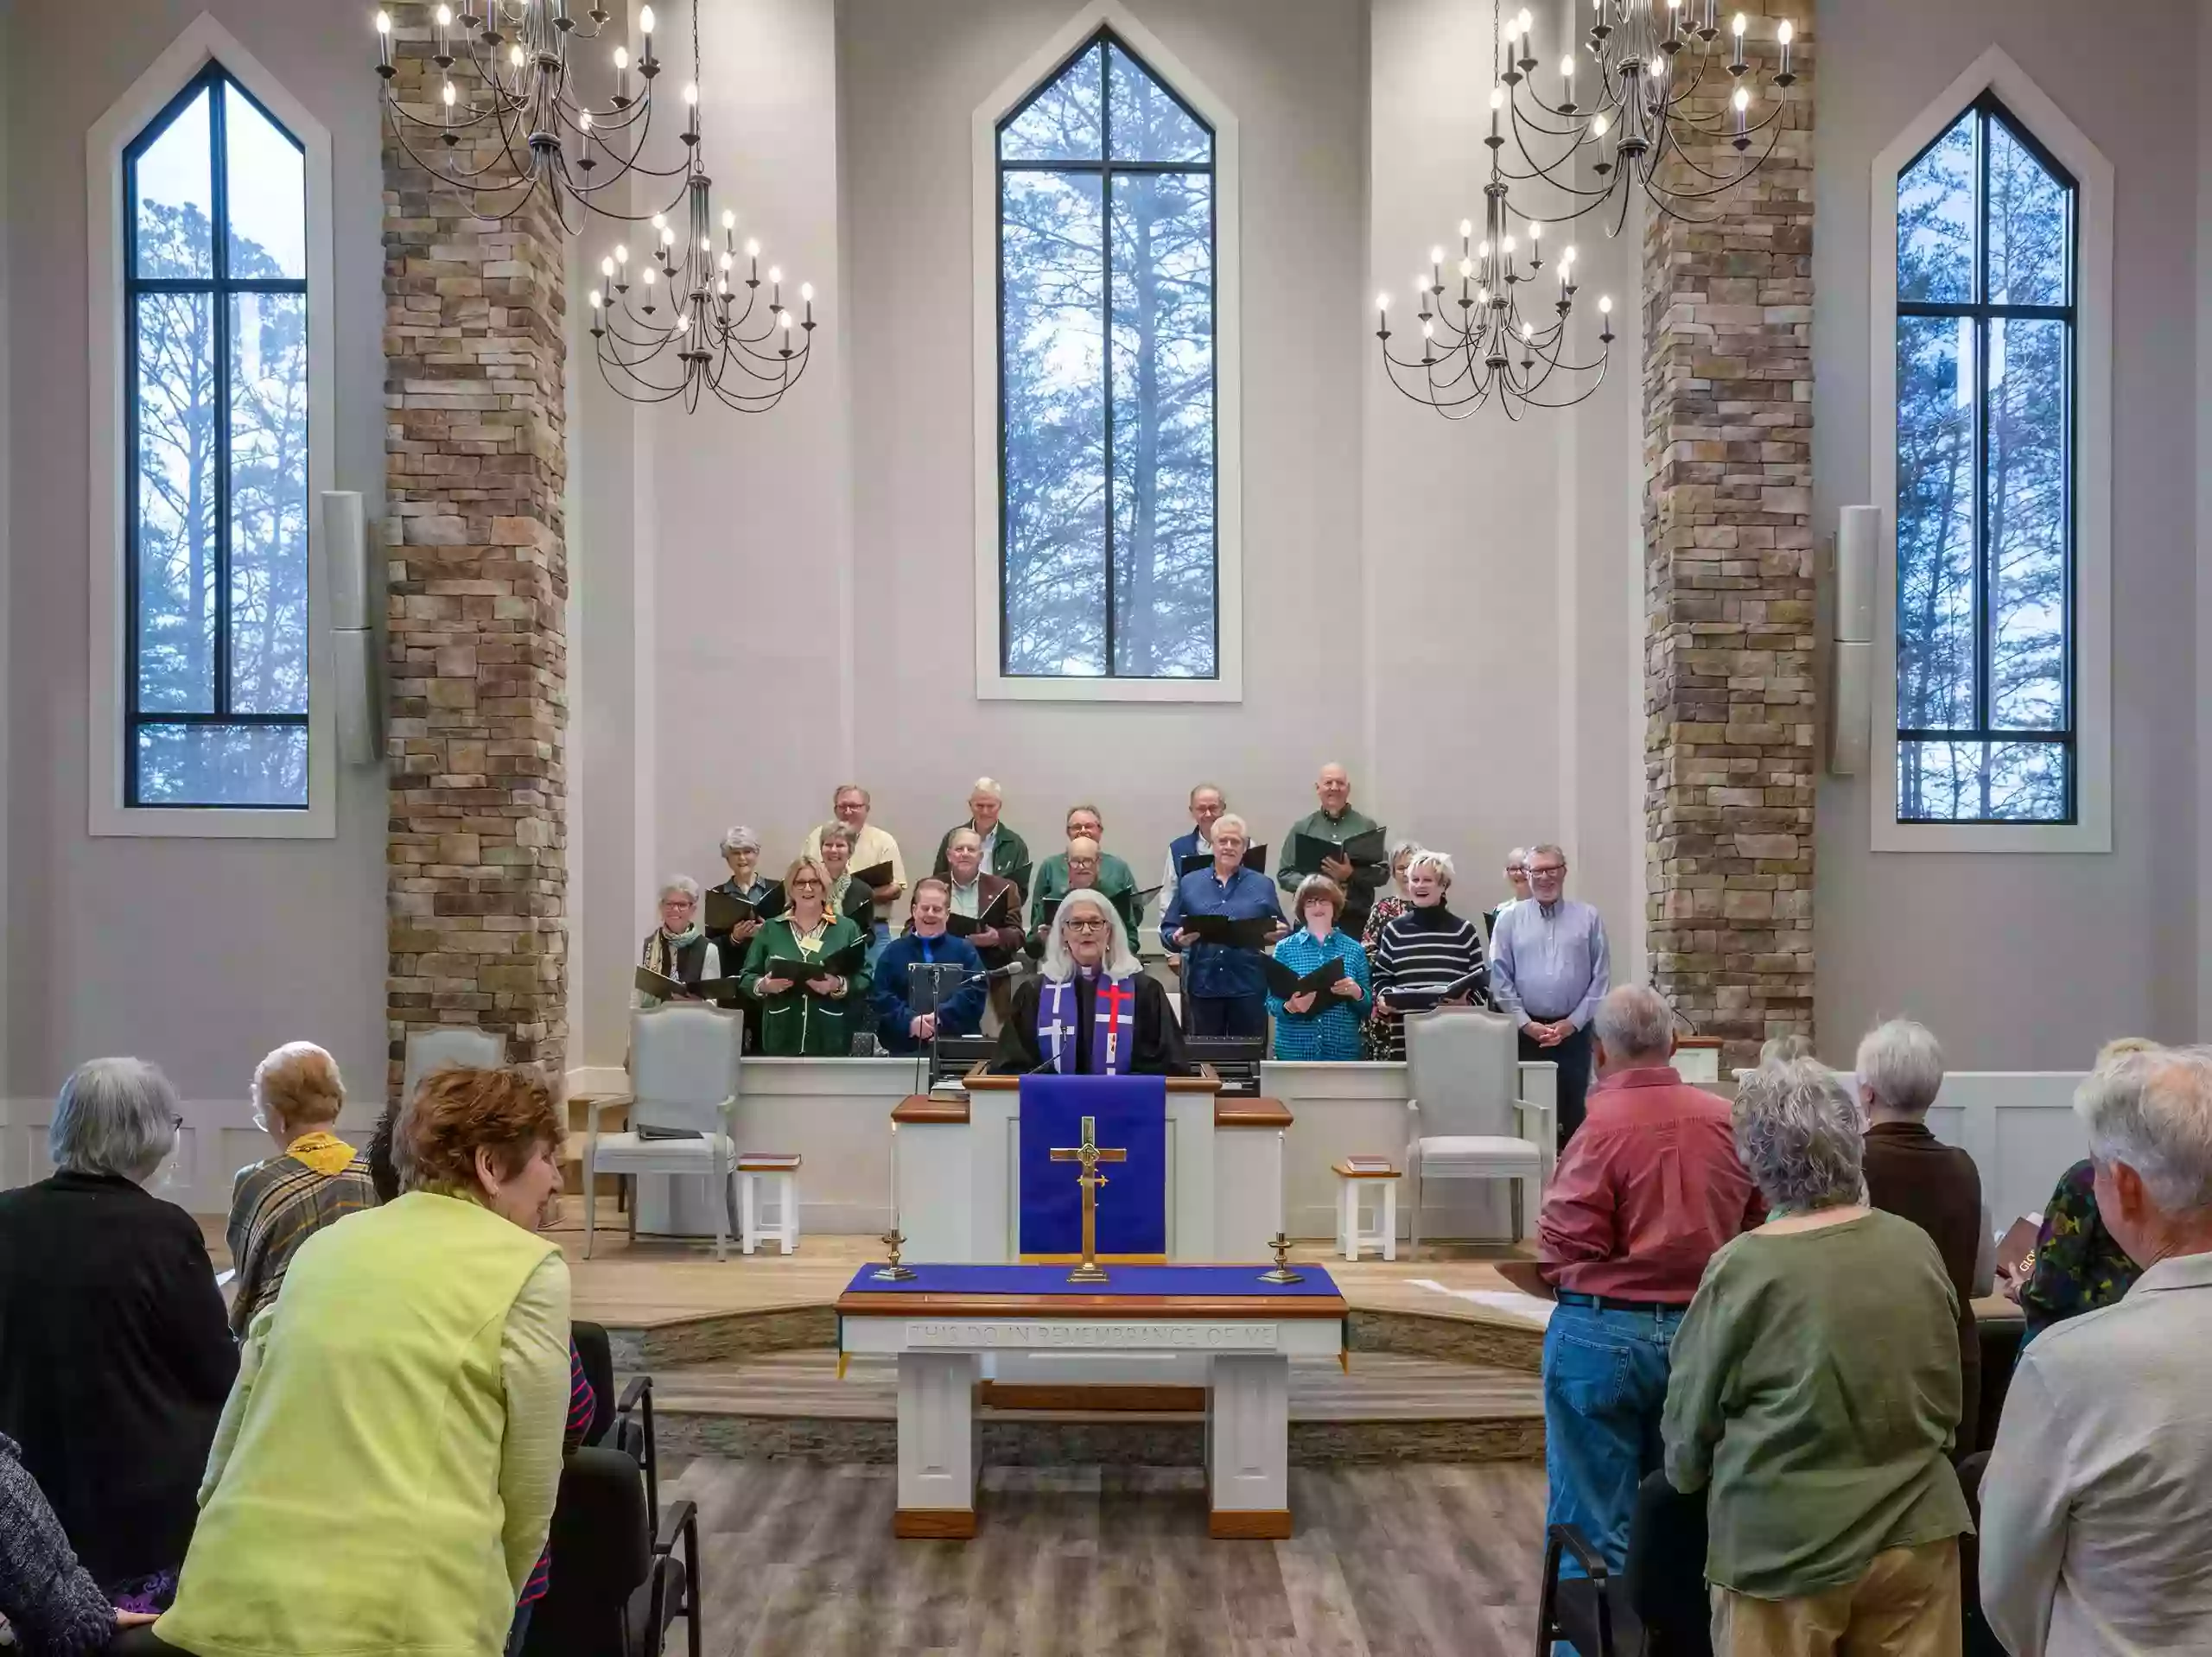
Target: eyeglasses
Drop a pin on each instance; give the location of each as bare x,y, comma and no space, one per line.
1076,923
1551,871
806,883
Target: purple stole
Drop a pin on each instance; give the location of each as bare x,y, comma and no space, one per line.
1112,1034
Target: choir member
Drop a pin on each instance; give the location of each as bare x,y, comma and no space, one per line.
677,948
741,854
1335,822
959,1010
973,892
1224,989
852,897
1005,854
815,1017
871,846
1093,1011
1207,803
1551,967
1114,878
1330,1024
1427,948
1388,907
1516,878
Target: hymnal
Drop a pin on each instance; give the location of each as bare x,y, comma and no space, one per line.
1287,985
1421,998
2016,1255
1246,934
1254,859
1306,852
770,1158
1367,1164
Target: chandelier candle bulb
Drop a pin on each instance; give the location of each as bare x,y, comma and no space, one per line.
1786,34
1737,65
384,41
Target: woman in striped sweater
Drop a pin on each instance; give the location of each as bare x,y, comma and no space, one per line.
1425,949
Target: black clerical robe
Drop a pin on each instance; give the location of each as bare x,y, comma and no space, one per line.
1158,1050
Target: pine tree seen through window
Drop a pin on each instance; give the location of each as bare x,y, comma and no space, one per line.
1984,510
216,491
1108,464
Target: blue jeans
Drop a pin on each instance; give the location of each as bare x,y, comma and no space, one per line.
1604,1389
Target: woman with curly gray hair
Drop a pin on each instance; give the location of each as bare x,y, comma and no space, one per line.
1815,1394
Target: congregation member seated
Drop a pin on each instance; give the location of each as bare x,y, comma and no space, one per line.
384,1475
901,1026
2097,1501
1004,855
1085,866
315,1180
1057,1022
1912,1173
679,948
741,856
1424,951
2079,1265
1218,921
1814,1395
1783,1050
1641,1199
1112,878
811,1015
1206,802
1549,966
872,847
1327,1025
48,1602
853,897
1359,873
115,1355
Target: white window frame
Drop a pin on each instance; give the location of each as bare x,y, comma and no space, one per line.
1228,684
108,655
2091,830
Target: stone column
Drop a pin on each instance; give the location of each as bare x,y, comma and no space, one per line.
477,875
1729,737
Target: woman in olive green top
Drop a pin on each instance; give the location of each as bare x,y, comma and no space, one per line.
1815,1390
811,1017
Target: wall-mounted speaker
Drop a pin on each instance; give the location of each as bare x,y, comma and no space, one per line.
1851,666
356,590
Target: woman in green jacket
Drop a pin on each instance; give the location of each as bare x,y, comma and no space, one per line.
811,1017
383,1475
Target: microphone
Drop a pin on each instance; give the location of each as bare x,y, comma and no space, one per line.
1680,1017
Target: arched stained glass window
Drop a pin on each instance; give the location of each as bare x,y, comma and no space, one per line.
1108,469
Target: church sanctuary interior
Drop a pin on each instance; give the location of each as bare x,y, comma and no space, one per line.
1372,828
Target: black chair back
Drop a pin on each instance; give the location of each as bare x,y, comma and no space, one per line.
598,1360
1665,1569
602,1555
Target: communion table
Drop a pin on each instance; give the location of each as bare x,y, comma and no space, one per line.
943,1324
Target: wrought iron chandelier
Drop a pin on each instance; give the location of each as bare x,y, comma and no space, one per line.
1656,123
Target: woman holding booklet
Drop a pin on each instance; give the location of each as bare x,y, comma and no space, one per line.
677,950
807,969
1317,980
1427,957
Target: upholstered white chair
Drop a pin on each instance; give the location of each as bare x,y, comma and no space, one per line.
683,1093
1468,1119
444,1048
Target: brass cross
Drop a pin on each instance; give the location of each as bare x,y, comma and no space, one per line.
1089,1154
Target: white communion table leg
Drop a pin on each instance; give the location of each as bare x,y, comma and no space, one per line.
1248,1446
940,1447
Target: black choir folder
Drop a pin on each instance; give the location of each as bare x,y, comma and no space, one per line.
1254,859
1306,852
1287,984
1247,934
996,913
651,983
724,912
876,874
1421,998
838,963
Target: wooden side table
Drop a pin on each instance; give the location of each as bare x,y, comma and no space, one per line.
781,1174
1352,1186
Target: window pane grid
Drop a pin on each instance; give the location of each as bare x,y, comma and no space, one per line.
210,741
1996,404
1097,576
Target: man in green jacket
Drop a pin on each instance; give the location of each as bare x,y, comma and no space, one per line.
1005,853
1114,878
1333,824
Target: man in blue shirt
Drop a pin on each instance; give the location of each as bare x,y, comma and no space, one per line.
1207,803
1549,967
960,1013
1224,991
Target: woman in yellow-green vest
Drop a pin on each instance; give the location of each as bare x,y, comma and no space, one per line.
383,1475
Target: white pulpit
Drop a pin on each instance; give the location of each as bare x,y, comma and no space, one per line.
956,1166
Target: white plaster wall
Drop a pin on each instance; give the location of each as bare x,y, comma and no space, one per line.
198,955
2032,961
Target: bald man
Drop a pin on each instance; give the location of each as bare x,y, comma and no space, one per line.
1333,824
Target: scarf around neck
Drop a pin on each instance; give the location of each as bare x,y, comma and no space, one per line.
323,1152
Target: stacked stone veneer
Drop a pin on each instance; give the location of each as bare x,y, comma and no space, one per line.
1729,737
475,465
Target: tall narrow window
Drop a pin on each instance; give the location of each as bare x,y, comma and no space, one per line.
1109,472
215,496
1987,258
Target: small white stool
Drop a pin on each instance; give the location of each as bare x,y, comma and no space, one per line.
1352,1183
782,1173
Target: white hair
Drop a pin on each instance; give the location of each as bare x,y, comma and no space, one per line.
1798,1136
1229,819
988,788
1425,859
1120,959
739,839
113,1116
963,832
2154,1112
1518,854
1634,1022
682,882
836,829
1901,1064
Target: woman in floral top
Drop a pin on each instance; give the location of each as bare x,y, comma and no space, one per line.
1387,908
2078,1266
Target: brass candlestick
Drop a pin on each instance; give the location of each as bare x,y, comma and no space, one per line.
1282,1274
894,1240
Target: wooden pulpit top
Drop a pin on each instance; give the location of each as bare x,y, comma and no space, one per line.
1234,1112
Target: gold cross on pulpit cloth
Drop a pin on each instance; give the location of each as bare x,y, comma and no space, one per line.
1089,1155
